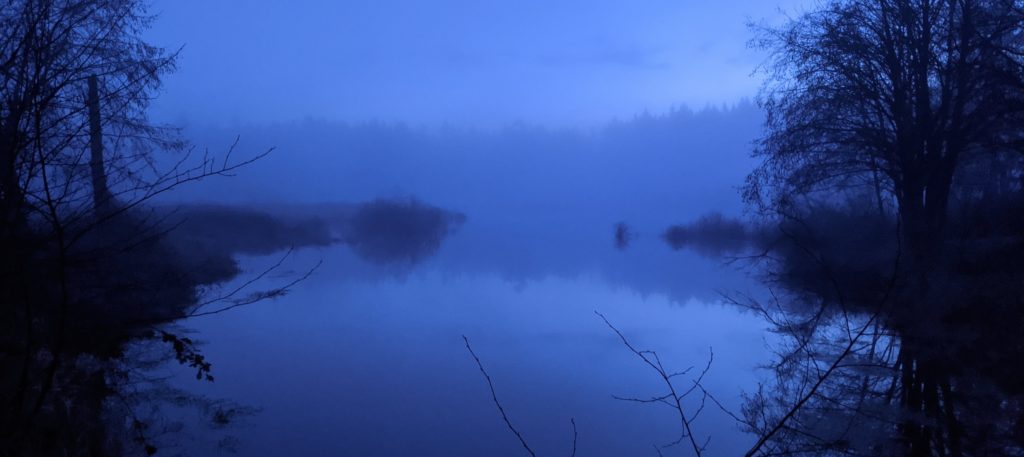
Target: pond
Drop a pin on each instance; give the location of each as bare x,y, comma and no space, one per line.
369,360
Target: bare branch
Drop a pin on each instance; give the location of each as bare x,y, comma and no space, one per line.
504,416
673,398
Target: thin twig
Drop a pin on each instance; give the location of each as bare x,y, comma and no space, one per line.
575,435
651,359
494,396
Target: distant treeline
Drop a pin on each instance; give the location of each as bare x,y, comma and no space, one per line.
644,169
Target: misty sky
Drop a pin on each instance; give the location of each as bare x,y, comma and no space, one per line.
478,62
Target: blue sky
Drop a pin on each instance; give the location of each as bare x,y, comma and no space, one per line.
555,62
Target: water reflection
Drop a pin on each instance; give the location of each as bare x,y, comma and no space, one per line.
372,361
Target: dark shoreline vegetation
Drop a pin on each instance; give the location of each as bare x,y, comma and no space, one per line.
134,273
208,237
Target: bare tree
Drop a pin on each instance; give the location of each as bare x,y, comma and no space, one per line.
899,97
904,91
83,270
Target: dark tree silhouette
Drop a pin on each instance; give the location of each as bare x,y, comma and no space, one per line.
908,101
897,94
84,270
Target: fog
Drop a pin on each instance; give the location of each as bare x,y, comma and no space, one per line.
532,257
543,141
537,200
622,169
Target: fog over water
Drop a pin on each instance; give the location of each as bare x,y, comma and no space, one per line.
544,141
537,129
367,359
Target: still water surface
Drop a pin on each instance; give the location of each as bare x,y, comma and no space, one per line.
368,360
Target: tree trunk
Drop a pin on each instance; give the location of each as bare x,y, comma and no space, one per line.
100,193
